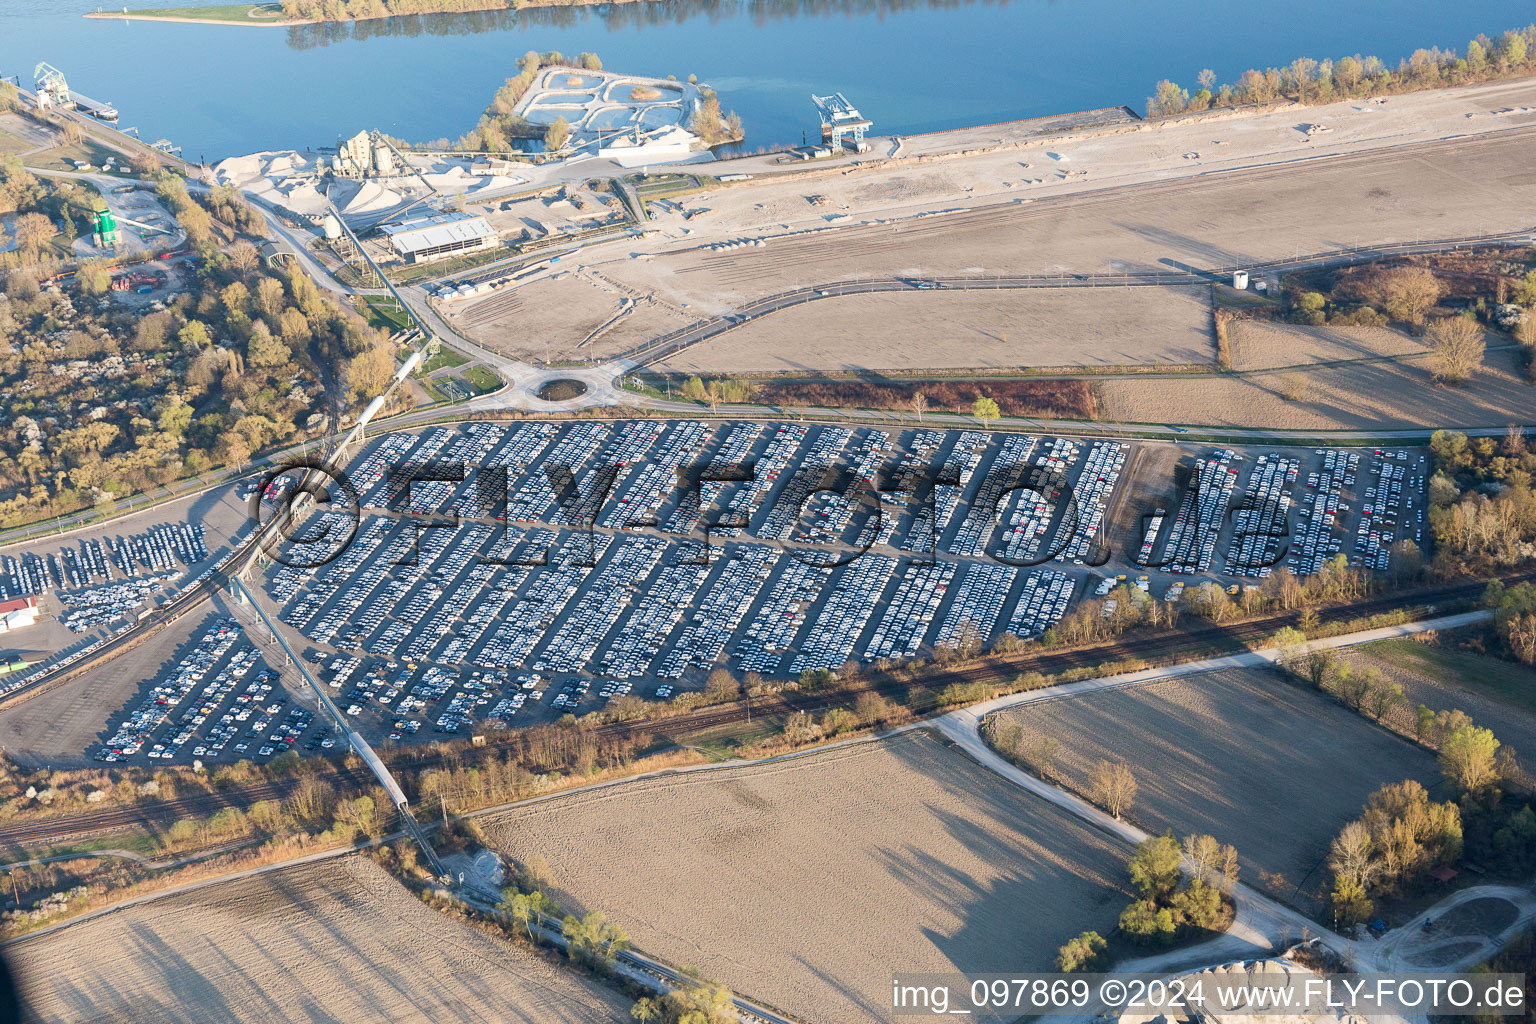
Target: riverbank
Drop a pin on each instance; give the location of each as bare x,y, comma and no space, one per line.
268,15
240,15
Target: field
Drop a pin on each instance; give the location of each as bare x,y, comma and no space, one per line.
1357,396
554,319
332,941
11,145
806,882
62,158
1272,768
1496,693
1261,345
944,329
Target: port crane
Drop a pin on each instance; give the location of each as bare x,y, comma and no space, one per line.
52,88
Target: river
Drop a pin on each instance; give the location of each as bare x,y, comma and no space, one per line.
910,65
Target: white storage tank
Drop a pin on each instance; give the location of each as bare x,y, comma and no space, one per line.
1240,280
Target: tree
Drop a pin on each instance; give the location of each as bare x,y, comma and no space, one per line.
1458,346
1168,100
1407,293
1042,756
721,686
1198,906
1351,854
1203,853
264,350
592,939
1290,644
33,230
536,874
194,336
1382,697
645,1010
1145,923
1114,786
1512,49
1467,756
369,373
985,409
919,402
93,278
269,298
1155,867
196,222
1086,952
557,135
243,257
1351,905
521,909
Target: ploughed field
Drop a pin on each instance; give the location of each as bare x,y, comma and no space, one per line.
806,882
1241,754
338,940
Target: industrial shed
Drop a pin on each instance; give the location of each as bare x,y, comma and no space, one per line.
439,237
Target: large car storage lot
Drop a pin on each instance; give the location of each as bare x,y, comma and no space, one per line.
575,565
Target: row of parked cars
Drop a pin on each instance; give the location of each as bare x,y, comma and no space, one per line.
157,708
157,552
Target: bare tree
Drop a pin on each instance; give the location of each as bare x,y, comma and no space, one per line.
919,405
33,230
243,257
1458,346
1352,854
1407,293
1514,441
1114,786
1203,853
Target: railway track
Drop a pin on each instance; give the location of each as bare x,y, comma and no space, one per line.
921,696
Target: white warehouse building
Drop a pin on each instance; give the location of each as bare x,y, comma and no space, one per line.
439,237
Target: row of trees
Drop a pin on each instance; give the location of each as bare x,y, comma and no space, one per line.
1401,837
1308,80
711,124
357,10
716,390
1336,580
